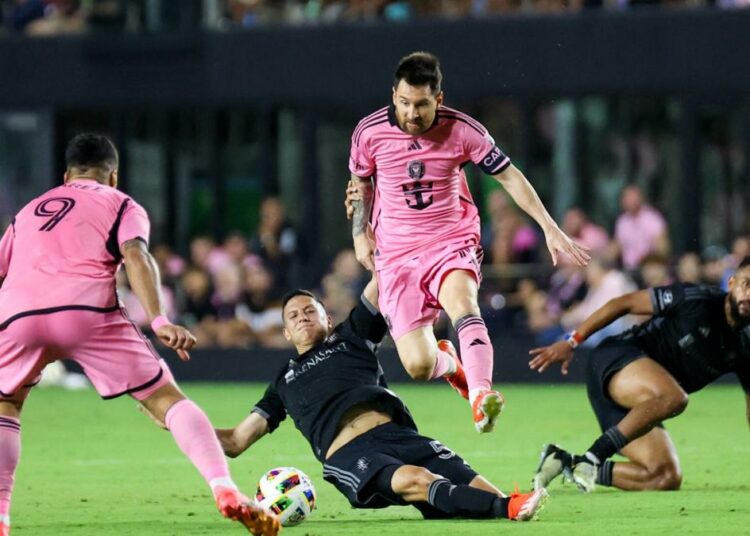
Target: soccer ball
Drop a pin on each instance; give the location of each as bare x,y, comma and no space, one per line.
288,493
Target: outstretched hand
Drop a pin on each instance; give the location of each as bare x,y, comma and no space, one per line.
177,338
559,352
557,241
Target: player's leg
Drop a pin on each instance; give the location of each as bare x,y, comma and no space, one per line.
649,395
458,297
10,451
423,358
119,360
652,464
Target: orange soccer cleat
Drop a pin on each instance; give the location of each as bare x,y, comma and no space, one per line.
487,407
457,380
4,529
234,505
526,506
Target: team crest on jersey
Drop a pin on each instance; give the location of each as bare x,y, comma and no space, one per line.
362,464
416,169
667,297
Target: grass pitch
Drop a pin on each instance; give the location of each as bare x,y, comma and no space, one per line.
90,467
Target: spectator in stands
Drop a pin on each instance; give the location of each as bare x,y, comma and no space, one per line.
260,310
714,264
578,227
135,311
170,264
604,283
689,269
654,271
206,255
514,240
276,242
343,285
640,229
197,291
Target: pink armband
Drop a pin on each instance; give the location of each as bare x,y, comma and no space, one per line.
160,321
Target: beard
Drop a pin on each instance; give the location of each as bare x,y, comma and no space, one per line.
734,310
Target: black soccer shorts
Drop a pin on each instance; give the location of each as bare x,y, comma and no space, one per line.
362,469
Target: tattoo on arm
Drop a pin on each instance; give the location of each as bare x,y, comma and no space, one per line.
362,208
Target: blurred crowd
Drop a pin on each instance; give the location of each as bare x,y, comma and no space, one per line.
229,293
636,255
59,17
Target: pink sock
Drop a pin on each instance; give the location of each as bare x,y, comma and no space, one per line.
444,365
476,352
196,437
10,452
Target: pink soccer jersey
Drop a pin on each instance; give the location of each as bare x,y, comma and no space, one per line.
422,199
62,250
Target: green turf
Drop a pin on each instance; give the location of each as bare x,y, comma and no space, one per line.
99,468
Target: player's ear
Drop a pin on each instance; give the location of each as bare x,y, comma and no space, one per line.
329,320
113,179
287,335
394,95
66,177
440,97
730,283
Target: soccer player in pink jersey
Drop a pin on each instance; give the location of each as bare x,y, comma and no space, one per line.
407,163
58,260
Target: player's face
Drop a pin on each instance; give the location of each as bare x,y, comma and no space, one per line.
305,321
415,107
739,295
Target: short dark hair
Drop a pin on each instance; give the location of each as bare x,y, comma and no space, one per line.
90,150
293,294
419,69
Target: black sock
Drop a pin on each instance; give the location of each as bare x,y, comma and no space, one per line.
608,443
604,476
465,500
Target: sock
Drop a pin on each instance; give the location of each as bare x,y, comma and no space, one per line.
476,352
444,366
608,443
466,501
195,436
10,453
604,476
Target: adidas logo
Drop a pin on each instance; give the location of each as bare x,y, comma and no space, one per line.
477,342
414,146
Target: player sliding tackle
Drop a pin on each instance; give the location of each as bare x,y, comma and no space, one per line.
58,261
643,376
361,431
426,252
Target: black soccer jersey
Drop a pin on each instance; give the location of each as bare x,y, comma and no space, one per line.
690,337
319,386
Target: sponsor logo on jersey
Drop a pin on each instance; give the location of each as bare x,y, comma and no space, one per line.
302,366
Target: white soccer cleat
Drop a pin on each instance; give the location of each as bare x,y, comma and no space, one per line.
584,474
553,462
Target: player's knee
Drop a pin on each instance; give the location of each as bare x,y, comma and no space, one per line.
676,403
412,483
420,368
668,478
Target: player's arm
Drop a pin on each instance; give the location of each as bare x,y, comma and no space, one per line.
143,276
635,303
523,193
237,440
364,247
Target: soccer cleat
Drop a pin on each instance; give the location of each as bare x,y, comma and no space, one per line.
526,506
235,506
487,408
457,380
584,473
4,529
553,462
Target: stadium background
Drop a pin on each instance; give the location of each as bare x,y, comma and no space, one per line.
233,118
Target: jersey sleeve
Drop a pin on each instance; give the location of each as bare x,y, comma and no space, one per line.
134,224
481,149
666,300
366,322
361,162
271,408
6,249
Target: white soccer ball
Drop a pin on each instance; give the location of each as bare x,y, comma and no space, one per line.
288,493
